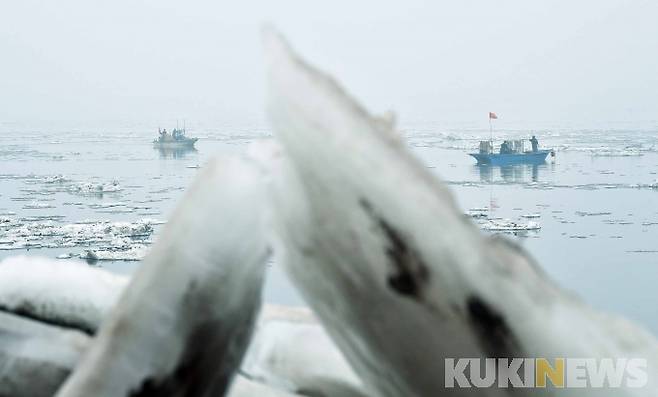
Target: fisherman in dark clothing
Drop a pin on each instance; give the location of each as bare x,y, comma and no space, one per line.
535,143
504,148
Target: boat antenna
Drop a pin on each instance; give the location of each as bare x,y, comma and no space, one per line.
490,128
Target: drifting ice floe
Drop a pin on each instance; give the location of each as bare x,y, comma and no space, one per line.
96,188
58,182
509,226
534,215
122,239
55,179
478,212
585,213
609,152
135,252
38,206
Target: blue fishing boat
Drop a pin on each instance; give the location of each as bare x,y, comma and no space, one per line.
511,152
537,157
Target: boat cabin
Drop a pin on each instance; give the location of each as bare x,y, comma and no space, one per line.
507,147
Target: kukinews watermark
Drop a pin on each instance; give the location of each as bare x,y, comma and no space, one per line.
543,372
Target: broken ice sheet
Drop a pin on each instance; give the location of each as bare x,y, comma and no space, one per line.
586,213
112,236
38,206
136,252
91,188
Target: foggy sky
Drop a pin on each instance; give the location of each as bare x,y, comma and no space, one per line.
537,62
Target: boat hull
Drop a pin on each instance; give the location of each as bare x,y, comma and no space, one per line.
175,144
511,158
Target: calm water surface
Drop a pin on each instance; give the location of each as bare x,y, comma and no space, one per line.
599,215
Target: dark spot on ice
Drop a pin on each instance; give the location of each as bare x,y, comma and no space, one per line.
212,352
490,327
410,274
201,370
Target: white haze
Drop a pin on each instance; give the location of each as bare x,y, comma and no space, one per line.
126,62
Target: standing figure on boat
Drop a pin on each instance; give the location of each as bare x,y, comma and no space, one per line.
535,143
505,148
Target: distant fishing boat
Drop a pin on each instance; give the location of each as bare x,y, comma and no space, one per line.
174,140
511,151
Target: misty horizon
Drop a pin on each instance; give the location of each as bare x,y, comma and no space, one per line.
590,64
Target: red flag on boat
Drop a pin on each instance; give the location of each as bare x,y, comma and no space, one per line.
492,115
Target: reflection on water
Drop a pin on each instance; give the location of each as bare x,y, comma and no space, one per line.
517,173
175,153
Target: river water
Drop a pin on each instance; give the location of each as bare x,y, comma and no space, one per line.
597,210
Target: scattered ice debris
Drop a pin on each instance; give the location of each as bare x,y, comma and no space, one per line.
585,213
509,226
654,185
562,220
136,252
108,236
108,204
531,216
37,218
95,188
38,206
610,152
149,213
617,222
478,212
55,179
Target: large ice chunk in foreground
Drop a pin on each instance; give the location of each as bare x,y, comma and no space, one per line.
65,293
184,322
400,279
